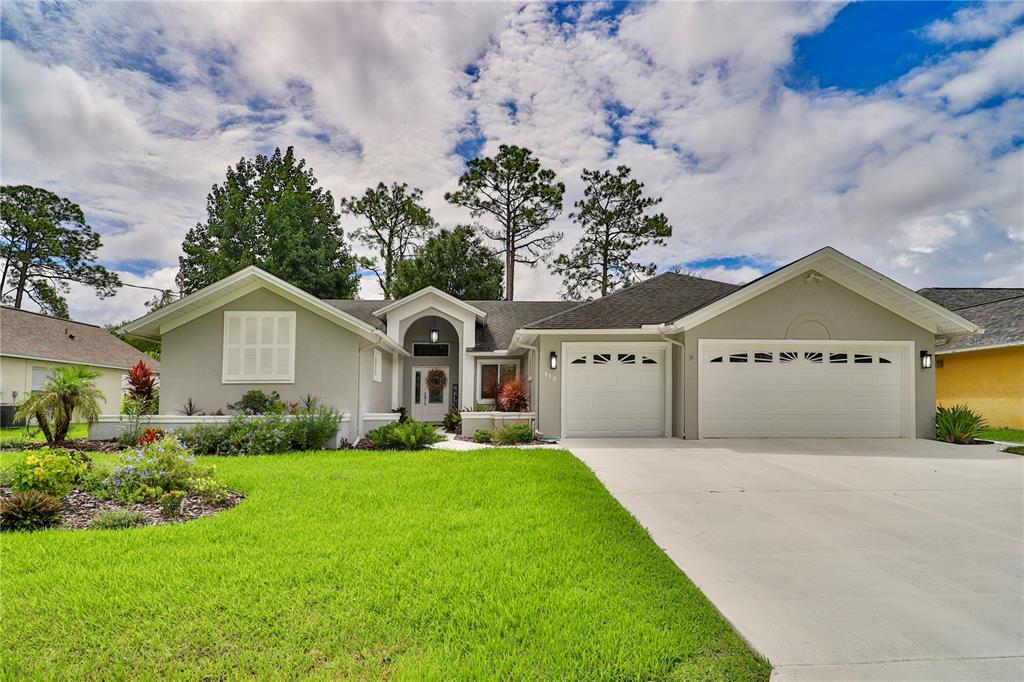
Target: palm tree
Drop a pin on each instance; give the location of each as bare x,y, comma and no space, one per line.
69,390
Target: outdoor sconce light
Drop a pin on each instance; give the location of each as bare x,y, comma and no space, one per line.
926,360
553,360
433,332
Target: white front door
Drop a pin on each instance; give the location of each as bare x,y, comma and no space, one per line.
429,403
614,389
819,389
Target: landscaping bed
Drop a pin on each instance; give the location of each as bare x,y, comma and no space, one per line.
79,508
74,444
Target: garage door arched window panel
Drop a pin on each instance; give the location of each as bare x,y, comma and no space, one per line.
579,360
762,357
814,357
738,357
648,360
602,358
627,358
837,358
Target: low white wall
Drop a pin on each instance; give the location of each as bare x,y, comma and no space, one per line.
373,420
110,426
489,421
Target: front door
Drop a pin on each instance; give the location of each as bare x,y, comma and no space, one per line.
429,393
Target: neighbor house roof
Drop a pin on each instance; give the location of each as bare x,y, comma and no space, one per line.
493,333
658,300
40,337
999,312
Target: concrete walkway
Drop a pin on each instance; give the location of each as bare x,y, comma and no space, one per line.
841,559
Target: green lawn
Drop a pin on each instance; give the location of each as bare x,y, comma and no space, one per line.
1003,433
494,564
10,437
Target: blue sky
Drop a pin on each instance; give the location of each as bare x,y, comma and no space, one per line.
889,130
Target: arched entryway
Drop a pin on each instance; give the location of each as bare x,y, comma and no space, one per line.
431,376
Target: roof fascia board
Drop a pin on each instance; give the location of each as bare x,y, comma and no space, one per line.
995,346
411,298
40,358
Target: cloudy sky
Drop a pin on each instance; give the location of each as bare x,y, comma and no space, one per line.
892,131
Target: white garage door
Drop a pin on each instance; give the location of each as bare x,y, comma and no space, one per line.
613,390
808,389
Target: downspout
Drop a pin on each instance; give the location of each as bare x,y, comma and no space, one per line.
534,383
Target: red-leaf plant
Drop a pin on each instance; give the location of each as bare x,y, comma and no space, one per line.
141,382
513,396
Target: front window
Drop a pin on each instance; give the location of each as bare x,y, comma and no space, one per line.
259,346
493,375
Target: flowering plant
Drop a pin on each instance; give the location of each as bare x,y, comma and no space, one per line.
157,468
50,471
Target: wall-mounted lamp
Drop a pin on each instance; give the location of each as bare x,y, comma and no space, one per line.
553,360
926,360
433,332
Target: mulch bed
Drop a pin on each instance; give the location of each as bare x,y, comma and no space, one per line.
469,439
80,507
75,444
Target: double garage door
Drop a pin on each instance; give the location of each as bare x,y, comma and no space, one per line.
824,389
614,389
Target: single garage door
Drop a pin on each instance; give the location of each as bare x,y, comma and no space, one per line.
613,390
805,389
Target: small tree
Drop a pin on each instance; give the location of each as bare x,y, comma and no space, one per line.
68,392
521,197
613,215
456,262
46,244
396,223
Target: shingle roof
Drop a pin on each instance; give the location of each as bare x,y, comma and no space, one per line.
495,333
999,312
28,334
955,298
658,300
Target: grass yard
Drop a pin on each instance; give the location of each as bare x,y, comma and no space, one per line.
13,436
1003,433
491,564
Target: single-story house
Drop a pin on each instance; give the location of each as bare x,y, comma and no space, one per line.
985,371
31,345
824,346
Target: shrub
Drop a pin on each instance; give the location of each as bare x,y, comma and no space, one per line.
453,422
151,435
142,384
50,471
155,469
190,408
311,428
482,436
510,434
958,424
114,519
407,435
134,421
258,402
513,396
31,510
170,502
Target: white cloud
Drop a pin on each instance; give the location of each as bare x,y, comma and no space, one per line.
136,110
986,21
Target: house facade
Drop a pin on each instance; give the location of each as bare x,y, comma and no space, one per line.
986,371
821,347
32,345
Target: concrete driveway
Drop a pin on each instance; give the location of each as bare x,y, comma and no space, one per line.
841,559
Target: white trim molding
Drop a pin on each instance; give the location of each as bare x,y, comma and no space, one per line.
411,298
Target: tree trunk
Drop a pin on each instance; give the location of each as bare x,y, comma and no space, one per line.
44,426
22,281
510,270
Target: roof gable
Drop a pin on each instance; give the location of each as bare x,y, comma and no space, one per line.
235,286
855,276
416,300
1000,314
33,335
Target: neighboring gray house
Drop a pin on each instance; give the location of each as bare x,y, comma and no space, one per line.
823,346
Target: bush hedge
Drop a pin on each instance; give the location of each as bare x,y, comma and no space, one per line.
262,435
407,435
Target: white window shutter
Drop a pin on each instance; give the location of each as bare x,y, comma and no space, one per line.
259,347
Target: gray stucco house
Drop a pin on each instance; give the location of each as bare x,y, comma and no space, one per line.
824,346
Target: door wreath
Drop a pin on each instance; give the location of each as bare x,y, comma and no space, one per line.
436,380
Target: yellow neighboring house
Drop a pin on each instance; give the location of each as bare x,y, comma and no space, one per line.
985,371
32,344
